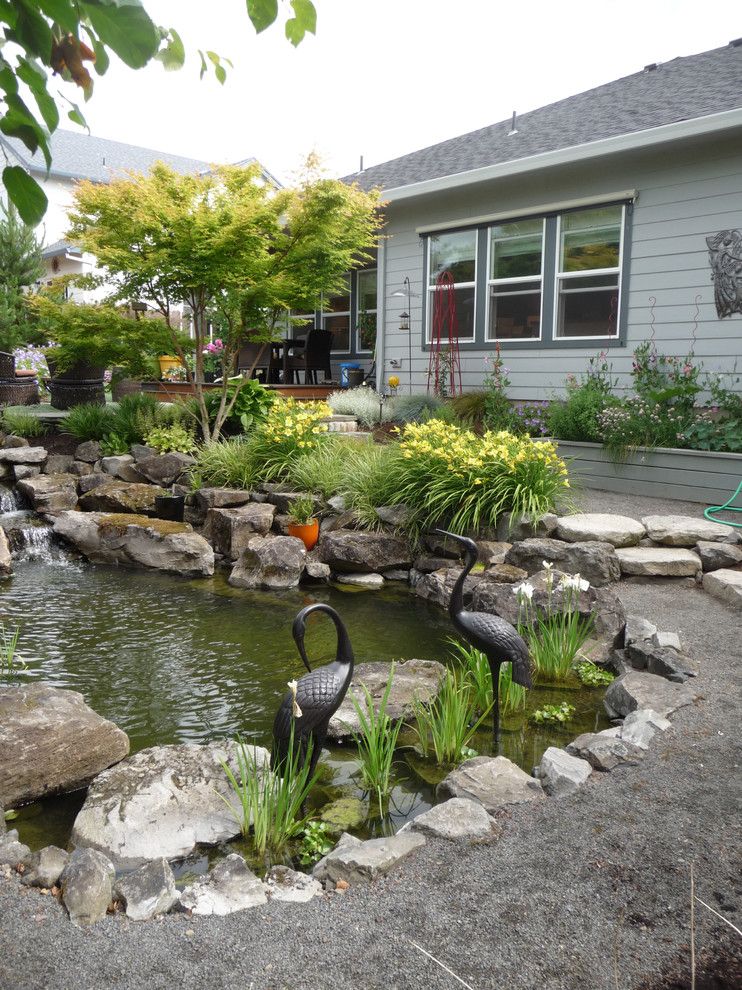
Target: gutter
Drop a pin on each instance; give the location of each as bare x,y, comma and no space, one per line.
708,125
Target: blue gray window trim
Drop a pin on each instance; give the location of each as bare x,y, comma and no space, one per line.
548,339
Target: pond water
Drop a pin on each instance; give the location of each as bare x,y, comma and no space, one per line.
172,661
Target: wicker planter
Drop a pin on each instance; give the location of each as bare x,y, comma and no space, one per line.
79,385
661,472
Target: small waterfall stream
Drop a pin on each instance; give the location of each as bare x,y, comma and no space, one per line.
29,536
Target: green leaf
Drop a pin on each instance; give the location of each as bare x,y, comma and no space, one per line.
262,13
32,32
61,11
304,19
19,122
75,115
26,194
221,73
35,78
8,81
102,61
172,55
127,30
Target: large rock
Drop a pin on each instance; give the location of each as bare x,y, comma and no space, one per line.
438,586
605,752
512,528
45,867
285,884
665,661
493,781
593,560
148,891
637,689
413,679
59,464
640,727
360,862
165,469
6,558
50,492
269,562
714,556
726,585
23,455
89,452
230,530
116,463
12,850
51,743
355,551
137,541
658,561
231,886
204,499
89,480
458,819
619,531
686,531
561,774
120,496
87,886
162,802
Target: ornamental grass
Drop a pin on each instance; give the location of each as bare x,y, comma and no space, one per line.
290,430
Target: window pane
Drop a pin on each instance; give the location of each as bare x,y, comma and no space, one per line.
588,307
340,301
515,311
300,329
455,253
515,249
464,309
590,239
340,327
366,331
366,290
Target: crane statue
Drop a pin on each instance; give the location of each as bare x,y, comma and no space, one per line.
493,635
312,700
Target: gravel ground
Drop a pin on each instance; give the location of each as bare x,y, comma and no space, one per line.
591,892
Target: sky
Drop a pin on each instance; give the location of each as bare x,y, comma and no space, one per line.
385,77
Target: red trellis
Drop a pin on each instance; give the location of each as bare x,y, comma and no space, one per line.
445,328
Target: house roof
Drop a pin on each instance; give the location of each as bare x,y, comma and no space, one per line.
60,247
683,89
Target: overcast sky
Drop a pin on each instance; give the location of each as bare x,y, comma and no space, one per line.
385,77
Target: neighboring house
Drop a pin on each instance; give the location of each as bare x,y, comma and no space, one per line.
583,226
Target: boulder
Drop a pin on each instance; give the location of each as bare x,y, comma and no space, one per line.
231,886
285,884
80,469
229,530
161,803
13,441
50,492
619,531
23,455
140,452
493,781
21,471
269,562
12,850
165,469
686,531
137,541
51,742
637,689
358,551
337,503
604,751
438,586
91,480
397,574
314,569
360,862
715,556
658,561
458,819
413,679
426,565
665,661
592,560
370,581
215,498
638,630
490,552
504,574
45,867
59,464
394,515
562,774
121,496
148,891
87,886
666,640
113,465
89,452
726,585
512,528
6,559
640,726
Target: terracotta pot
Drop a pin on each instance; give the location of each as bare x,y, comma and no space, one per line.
307,533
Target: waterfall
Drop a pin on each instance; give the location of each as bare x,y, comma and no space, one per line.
37,544
8,501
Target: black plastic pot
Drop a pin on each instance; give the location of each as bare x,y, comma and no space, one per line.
171,507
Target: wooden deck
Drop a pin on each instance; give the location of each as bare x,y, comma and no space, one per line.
167,391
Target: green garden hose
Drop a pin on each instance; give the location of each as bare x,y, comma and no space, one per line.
709,513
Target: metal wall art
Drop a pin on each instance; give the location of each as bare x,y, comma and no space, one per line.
725,258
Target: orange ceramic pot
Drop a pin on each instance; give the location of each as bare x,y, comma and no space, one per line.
308,533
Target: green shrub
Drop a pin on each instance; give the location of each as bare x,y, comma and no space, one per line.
168,439
250,407
362,403
114,445
22,424
89,422
228,464
469,408
369,481
578,416
413,408
139,413
323,471
291,429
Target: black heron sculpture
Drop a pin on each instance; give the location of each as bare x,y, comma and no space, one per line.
493,635
312,700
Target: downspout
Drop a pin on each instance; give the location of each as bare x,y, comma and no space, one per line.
381,290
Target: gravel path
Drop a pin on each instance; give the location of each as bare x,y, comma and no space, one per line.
586,893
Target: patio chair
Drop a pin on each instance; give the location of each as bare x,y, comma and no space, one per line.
268,368
314,357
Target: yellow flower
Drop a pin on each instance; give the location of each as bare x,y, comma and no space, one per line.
393,381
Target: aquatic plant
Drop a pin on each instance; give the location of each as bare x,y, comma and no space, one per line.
316,842
376,741
592,675
555,638
476,665
8,647
447,725
554,713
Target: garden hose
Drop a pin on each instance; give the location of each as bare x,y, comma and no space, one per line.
709,513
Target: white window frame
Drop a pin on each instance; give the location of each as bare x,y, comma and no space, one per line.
488,336
430,289
560,277
375,310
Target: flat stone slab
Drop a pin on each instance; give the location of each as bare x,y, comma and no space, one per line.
726,585
285,884
620,531
161,803
605,752
637,689
458,819
686,531
493,781
360,862
412,679
562,774
231,886
371,581
658,561
23,455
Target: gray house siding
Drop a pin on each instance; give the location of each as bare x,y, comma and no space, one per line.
682,194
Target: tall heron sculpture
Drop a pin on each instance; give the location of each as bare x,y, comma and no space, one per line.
312,700
493,635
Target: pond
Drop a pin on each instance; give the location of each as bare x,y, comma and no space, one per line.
174,661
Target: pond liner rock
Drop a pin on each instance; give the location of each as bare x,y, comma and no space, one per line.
666,661
231,886
354,861
456,820
593,560
619,531
638,689
148,891
271,562
229,530
13,852
121,496
285,884
605,752
562,774
493,781
50,493
45,867
87,886
726,585
360,551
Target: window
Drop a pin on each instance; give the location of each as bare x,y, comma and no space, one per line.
455,253
367,309
336,317
515,278
588,271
